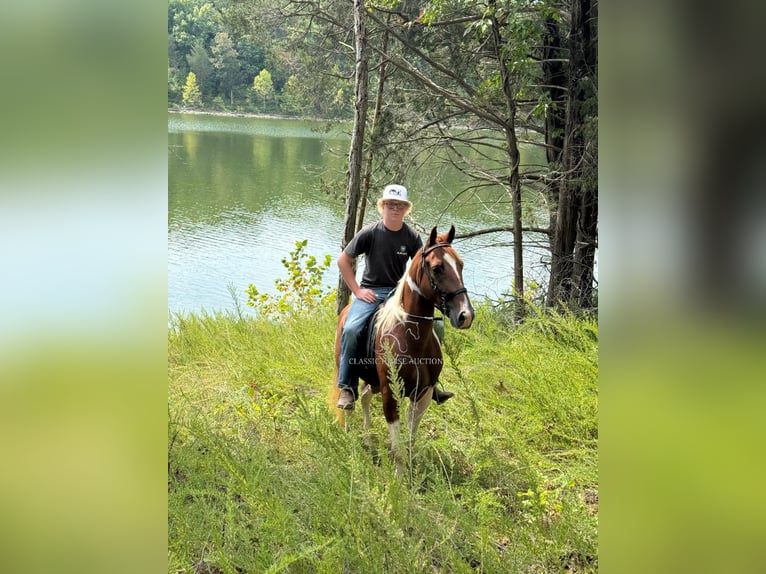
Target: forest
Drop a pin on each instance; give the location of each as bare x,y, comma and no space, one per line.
244,58
468,81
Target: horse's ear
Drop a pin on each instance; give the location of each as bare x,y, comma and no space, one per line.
451,234
432,237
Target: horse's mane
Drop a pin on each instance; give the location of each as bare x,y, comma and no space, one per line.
392,311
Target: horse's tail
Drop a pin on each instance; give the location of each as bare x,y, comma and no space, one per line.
333,392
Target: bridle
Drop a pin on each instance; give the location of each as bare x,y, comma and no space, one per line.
443,297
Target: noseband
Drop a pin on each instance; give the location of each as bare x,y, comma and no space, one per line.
443,297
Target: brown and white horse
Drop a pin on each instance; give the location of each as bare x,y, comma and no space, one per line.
406,346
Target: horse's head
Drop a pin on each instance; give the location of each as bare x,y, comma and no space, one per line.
441,276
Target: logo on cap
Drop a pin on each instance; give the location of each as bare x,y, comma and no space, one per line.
395,191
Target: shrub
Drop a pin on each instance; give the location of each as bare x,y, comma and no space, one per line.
301,291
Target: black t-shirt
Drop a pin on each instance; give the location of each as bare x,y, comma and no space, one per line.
386,251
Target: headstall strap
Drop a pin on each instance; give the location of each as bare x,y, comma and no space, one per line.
444,297
434,246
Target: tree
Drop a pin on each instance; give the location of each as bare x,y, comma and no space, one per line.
480,80
356,149
511,66
510,88
199,63
174,86
574,240
251,60
466,82
293,99
224,61
189,22
264,87
191,96
377,131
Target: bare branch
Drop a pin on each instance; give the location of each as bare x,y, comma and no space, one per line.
503,229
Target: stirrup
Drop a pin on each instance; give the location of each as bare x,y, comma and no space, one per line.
346,400
440,397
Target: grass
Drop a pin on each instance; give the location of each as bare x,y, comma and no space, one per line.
262,479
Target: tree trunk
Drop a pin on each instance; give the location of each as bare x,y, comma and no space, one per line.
376,130
562,244
585,248
574,233
353,179
514,158
554,77
587,229
519,310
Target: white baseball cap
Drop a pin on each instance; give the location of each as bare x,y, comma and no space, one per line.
395,192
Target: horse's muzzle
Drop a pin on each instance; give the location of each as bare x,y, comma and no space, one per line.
461,312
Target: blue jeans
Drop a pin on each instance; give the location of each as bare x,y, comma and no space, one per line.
358,315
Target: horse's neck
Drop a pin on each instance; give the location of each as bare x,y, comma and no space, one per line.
415,304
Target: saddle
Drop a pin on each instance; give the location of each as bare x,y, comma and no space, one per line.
365,350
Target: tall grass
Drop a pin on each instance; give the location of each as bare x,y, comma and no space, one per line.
262,479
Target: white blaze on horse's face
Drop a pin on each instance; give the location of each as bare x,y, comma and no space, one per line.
459,308
449,260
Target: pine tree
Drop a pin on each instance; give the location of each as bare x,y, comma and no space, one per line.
192,97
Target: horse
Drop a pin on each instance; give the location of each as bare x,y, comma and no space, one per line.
407,352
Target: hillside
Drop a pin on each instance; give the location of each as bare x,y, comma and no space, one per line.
262,479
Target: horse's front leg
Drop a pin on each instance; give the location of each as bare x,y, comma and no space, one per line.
418,409
366,399
396,453
369,437
391,412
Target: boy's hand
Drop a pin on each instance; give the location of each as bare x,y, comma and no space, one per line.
366,295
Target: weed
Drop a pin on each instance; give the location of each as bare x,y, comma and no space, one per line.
301,291
261,479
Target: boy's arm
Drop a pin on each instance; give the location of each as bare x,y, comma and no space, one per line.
347,272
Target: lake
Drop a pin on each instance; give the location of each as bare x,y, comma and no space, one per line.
243,190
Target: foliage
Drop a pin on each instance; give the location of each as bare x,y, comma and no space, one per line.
224,59
503,477
300,292
190,21
263,86
191,93
226,44
294,102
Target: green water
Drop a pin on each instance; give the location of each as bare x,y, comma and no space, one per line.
242,190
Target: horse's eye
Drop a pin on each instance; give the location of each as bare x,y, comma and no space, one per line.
438,268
